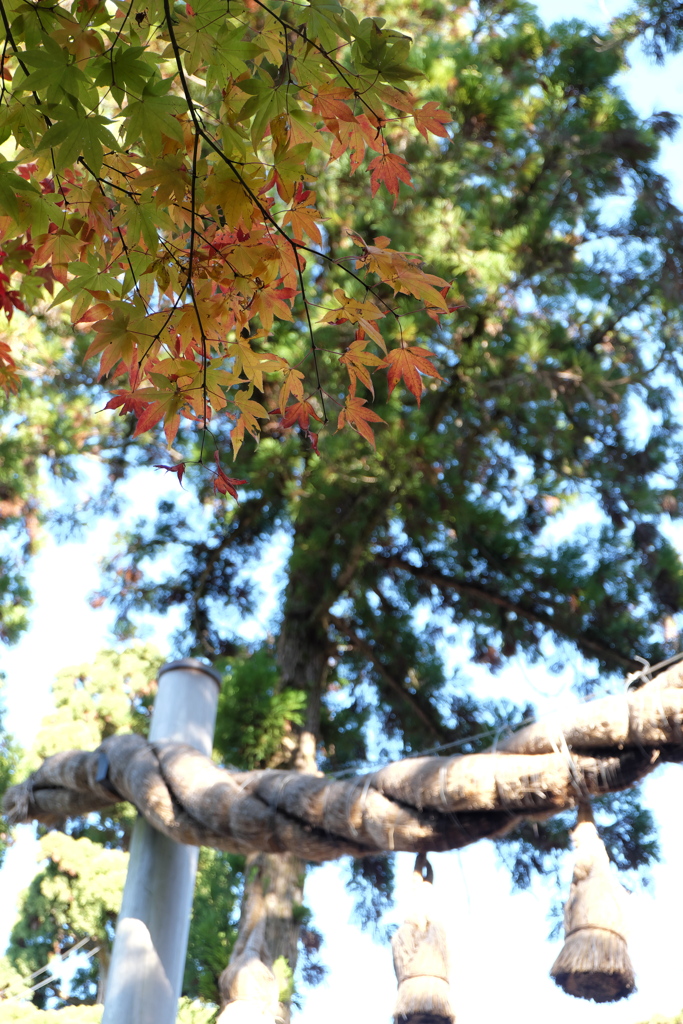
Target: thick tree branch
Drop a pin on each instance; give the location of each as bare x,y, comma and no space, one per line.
483,595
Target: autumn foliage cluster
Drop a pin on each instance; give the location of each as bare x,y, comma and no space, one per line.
163,184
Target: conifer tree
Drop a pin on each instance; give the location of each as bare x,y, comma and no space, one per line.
551,389
72,903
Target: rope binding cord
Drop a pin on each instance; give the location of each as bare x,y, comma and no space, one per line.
594,961
421,957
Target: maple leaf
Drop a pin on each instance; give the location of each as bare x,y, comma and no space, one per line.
354,137
116,338
358,416
179,470
431,118
127,401
388,169
312,438
222,483
362,313
270,302
292,385
164,405
414,281
9,376
299,412
329,103
356,360
304,217
254,364
408,364
288,166
250,413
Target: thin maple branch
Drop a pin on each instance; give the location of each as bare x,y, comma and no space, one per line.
315,46
252,195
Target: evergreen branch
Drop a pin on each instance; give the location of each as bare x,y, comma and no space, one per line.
481,594
424,713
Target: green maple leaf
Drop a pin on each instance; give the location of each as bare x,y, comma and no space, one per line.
324,20
75,137
124,72
10,184
56,71
89,278
229,56
152,116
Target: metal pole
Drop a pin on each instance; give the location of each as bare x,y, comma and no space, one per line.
146,971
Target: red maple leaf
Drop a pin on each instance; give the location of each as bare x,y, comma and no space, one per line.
179,470
299,412
9,376
388,169
127,401
313,440
409,363
222,483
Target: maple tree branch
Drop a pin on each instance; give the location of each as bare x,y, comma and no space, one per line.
310,42
252,195
482,594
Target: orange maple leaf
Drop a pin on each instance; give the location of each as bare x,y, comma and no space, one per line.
359,417
329,103
431,118
292,385
299,412
269,302
304,219
354,137
388,169
413,281
362,313
409,363
356,360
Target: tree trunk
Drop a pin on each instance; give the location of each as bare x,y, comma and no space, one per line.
273,887
274,882
103,960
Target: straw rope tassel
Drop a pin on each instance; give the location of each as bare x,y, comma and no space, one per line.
594,961
421,958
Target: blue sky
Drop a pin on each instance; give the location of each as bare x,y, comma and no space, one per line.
498,941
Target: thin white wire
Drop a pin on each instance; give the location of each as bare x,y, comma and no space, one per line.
496,731
52,977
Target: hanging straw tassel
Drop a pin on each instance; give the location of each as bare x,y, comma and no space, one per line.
594,961
421,958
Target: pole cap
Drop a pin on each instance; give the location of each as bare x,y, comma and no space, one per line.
192,663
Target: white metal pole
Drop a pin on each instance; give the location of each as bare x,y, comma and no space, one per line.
146,971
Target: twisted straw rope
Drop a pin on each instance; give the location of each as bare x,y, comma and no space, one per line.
419,804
